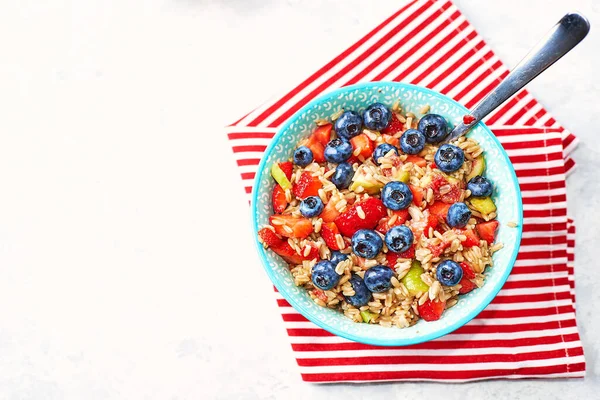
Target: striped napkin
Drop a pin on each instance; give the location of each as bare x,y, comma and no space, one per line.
529,330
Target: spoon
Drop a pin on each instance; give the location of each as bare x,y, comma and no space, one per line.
563,37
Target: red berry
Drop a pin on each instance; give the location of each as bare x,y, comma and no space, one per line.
329,212
319,294
440,210
317,148
487,230
287,168
349,222
417,193
290,226
389,139
323,134
394,126
329,230
308,185
450,197
279,201
384,224
392,258
431,310
466,286
365,144
269,238
410,253
472,238
419,161
467,270
290,255
438,249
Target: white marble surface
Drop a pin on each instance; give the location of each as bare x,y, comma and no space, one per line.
120,246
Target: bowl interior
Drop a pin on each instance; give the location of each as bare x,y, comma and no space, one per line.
412,98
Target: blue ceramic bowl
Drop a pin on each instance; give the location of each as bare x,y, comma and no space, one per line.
499,169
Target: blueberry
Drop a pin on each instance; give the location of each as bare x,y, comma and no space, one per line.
382,150
311,206
449,158
337,257
399,238
348,125
458,215
434,127
396,195
377,117
378,278
324,275
449,273
362,295
366,243
412,141
342,176
303,156
338,151
480,186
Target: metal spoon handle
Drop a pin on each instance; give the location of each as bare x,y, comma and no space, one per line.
565,35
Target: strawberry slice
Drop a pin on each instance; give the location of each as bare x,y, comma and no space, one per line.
317,148
287,168
323,134
449,197
363,143
467,270
410,253
329,212
353,159
319,294
328,232
290,226
438,249
421,226
384,224
313,254
402,215
487,230
389,139
349,222
279,201
290,255
472,238
282,248
431,310
432,222
452,196
465,282
392,258
466,286
285,251
418,194
308,185
269,238
440,210
420,161
394,126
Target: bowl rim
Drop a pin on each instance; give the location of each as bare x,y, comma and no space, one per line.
282,289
